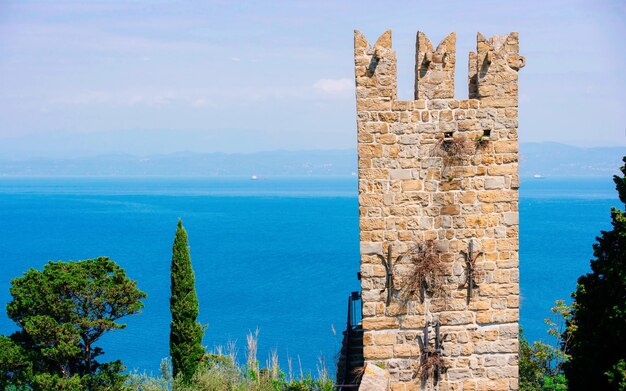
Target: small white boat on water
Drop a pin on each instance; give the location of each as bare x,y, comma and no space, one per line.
538,176
254,177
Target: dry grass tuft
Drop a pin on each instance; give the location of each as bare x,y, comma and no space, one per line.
358,372
251,359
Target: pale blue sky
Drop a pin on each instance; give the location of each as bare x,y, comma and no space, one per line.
163,76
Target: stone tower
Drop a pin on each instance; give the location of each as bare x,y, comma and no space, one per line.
438,206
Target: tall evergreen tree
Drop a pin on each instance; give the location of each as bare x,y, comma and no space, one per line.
185,331
597,344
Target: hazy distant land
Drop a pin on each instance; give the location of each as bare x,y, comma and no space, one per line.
546,159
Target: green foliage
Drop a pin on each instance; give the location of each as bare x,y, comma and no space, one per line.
617,375
15,367
185,332
309,384
53,381
222,373
556,382
530,370
145,382
559,329
62,311
541,364
598,324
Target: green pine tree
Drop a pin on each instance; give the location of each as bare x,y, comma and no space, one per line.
185,331
62,312
598,328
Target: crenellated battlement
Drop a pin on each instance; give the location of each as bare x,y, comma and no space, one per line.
492,70
438,186
434,68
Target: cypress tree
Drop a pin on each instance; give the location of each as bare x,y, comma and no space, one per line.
185,331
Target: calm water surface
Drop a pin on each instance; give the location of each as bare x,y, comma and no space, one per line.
280,255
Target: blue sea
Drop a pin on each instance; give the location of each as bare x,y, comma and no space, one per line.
277,254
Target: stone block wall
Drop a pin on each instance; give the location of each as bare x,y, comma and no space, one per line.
440,172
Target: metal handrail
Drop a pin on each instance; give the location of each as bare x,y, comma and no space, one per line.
351,324
356,311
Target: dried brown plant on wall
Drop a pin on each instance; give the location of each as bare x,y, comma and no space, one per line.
435,361
453,149
427,274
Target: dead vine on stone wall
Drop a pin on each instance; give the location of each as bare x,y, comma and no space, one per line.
454,150
428,270
434,362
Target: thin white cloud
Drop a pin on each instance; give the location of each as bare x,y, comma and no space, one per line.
150,98
114,98
201,103
334,87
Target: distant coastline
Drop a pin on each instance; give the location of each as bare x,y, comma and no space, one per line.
544,159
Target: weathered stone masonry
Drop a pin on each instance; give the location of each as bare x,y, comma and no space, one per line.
414,190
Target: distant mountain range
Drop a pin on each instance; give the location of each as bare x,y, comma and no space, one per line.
274,163
555,159
546,159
